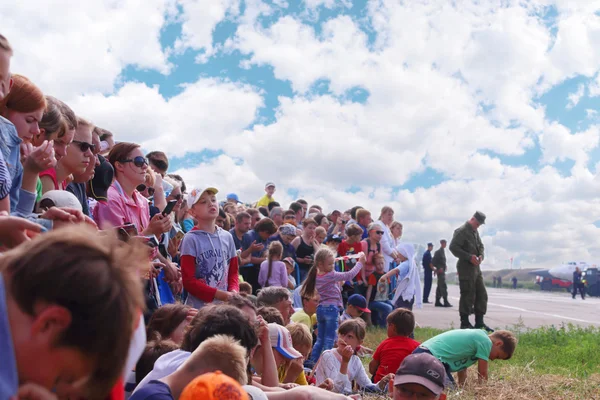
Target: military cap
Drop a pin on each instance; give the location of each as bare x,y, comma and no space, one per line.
480,217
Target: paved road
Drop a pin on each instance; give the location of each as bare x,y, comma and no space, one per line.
507,307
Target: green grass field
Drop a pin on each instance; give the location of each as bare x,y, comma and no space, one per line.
549,363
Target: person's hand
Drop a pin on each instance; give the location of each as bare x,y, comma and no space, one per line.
263,331
172,273
155,268
362,258
15,230
474,260
288,386
38,159
32,391
176,287
254,247
439,271
158,180
62,216
347,353
383,279
384,381
223,295
159,224
327,383
191,313
173,247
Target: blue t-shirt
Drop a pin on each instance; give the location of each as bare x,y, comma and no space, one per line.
9,380
255,237
153,390
241,244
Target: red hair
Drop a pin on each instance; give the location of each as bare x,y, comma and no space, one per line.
24,97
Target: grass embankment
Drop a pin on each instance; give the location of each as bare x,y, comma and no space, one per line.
549,363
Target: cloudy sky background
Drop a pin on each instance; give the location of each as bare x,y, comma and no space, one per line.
432,108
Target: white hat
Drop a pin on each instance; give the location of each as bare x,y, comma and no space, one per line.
196,193
62,198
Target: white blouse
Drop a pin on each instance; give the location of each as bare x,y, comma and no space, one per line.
329,367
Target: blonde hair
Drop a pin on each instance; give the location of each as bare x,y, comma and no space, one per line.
301,335
85,124
53,123
320,231
385,210
219,353
321,255
362,213
395,224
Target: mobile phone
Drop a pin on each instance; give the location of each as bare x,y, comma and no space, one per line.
169,208
124,232
151,241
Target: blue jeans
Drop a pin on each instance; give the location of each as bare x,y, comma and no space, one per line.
327,324
379,312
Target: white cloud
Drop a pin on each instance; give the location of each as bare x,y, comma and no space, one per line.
594,87
558,143
573,98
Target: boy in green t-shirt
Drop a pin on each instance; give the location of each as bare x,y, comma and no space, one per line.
460,348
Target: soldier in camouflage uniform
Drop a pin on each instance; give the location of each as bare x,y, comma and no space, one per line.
466,245
439,262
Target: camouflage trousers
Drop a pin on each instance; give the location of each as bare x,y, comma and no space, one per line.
473,295
441,292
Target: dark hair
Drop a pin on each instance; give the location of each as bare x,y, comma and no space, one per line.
264,211
271,315
67,114
272,205
104,134
354,325
241,216
239,301
403,320
270,296
308,221
165,320
159,159
179,179
302,201
289,212
319,218
353,211
318,207
353,230
97,279
252,211
295,207
120,152
266,225
219,319
53,122
152,352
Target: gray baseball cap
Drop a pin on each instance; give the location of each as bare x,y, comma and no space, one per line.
423,369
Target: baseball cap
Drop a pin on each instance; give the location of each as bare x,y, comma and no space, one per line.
290,261
333,238
233,196
423,369
287,229
214,386
195,194
281,340
480,217
359,302
62,198
269,184
103,178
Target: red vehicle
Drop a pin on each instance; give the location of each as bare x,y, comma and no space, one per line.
549,283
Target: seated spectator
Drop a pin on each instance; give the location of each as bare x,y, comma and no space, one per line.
59,198
245,305
218,353
169,322
378,299
357,306
214,386
276,214
98,186
302,341
343,366
153,351
390,353
320,235
210,321
308,314
273,271
85,289
271,315
283,350
419,376
279,298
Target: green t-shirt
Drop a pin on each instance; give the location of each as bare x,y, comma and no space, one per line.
460,348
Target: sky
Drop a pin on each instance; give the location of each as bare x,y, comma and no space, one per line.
437,108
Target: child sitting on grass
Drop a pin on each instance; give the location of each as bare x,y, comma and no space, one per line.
343,366
460,348
357,305
390,353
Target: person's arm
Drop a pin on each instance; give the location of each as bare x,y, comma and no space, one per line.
462,377
349,275
296,242
283,276
233,277
109,214
482,369
160,200
293,373
290,284
47,183
194,286
369,291
456,249
262,273
330,367
389,274
373,365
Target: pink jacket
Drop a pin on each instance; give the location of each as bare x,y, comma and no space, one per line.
120,209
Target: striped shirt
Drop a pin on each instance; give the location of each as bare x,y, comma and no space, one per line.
329,288
5,181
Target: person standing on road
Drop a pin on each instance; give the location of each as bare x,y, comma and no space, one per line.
439,263
428,271
466,245
514,282
578,283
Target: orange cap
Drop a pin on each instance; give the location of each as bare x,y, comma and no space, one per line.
214,386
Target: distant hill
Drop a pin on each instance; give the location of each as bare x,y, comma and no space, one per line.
506,274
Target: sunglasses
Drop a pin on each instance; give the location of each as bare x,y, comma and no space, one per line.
177,197
379,232
84,146
142,187
138,161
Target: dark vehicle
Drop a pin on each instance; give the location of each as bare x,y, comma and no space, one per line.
591,278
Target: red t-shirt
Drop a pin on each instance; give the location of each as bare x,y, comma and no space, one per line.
345,249
390,353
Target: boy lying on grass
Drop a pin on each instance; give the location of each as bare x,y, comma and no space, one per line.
460,348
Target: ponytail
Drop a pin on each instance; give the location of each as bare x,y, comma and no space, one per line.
275,249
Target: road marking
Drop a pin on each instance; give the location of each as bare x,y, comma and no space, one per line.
562,317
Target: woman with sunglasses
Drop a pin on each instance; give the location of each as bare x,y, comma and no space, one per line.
77,159
370,246
388,245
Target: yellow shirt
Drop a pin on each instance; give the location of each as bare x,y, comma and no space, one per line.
264,201
302,317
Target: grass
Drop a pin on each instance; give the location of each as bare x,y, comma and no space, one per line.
549,363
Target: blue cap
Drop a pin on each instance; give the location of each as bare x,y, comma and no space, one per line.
333,238
359,302
233,196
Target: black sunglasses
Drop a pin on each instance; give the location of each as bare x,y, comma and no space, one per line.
84,146
142,187
379,232
138,161
176,197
